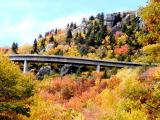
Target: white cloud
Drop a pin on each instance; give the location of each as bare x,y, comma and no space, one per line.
29,28
62,22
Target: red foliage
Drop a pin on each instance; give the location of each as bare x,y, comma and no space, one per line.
72,93
84,85
57,84
122,50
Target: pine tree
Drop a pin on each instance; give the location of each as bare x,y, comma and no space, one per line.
112,40
42,44
14,47
71,25
101,19
117,19
74,26
69,36
67,25
35,46
51,40
91,18
83,20
40,36
91,40
80,39
56,31
98,16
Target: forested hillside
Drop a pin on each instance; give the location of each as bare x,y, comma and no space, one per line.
125,36
83,93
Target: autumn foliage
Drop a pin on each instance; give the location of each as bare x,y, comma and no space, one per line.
122,50
130,93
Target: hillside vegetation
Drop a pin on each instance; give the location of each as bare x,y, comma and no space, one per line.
127,36
112,94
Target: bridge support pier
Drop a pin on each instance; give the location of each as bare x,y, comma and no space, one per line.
25,68
98,68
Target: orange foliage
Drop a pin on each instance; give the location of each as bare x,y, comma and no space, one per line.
122,50
113,82
60,90
84,85
98,75
4,50
79,102
73,93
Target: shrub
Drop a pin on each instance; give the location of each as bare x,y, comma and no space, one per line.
122,50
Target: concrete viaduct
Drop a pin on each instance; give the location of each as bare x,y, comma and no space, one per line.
70,60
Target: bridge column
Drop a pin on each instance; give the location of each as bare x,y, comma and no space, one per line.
98,68
25,68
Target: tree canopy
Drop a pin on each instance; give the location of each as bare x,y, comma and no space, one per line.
15,89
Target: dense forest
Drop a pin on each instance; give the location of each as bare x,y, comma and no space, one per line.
81,93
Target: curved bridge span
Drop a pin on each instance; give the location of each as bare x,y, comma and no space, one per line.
70,60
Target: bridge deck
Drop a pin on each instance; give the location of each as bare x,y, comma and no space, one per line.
72,60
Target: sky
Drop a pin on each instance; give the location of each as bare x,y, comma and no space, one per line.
22,21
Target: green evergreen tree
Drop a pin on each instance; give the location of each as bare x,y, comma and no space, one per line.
42,44
51,40
56,31
71,25
74,26
80,39
112,40
91,18
14,47
91,41
69,36
35,46
40,36
101,19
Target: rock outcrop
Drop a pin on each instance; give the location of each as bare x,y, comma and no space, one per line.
44,71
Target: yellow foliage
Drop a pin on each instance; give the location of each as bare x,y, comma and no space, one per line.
55,50
129,82
133,115
106,41
83,35
25,49
121,40
128,74
15,89
151,52
44,110
108,99
72,51
150,16
152,49
92,55
60,37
